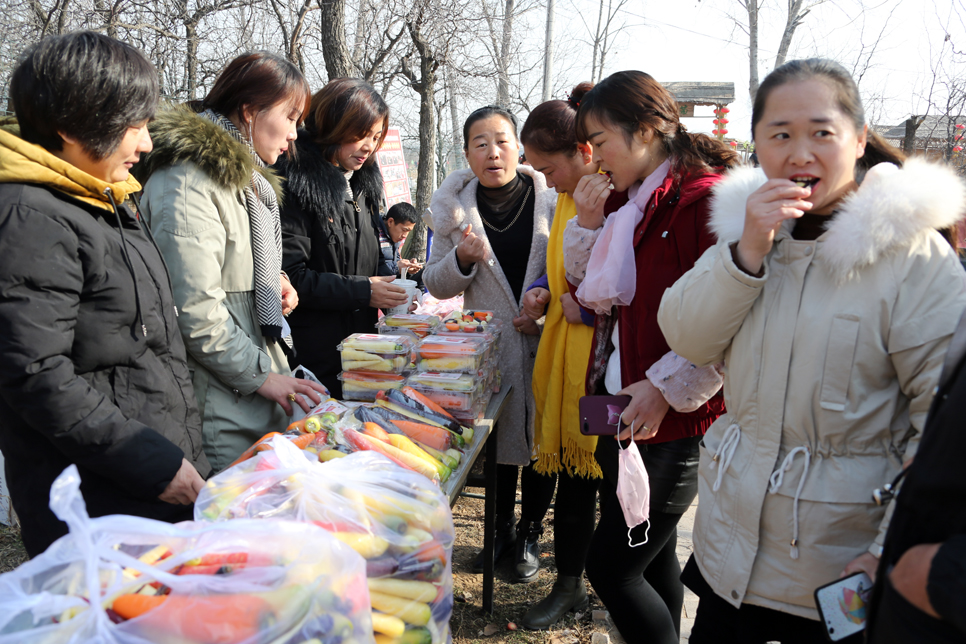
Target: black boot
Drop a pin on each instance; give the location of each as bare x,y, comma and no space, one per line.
567,594
506,537
528,551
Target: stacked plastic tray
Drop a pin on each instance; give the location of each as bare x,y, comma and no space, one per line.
374,362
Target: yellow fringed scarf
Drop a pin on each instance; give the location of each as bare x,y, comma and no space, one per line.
560,369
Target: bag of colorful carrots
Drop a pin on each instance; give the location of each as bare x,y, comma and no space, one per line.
398,520
129,580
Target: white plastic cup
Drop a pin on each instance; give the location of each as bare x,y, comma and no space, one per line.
412,293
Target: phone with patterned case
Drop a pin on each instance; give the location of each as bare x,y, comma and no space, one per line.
843,605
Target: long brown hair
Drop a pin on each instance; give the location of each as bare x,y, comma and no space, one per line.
551,127
257,80
877,150
345,111
633,100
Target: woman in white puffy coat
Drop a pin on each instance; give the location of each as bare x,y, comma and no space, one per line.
832,305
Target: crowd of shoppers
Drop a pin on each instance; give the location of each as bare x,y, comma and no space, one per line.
790,337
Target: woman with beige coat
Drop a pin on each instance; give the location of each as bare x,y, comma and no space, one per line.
491,224
832,305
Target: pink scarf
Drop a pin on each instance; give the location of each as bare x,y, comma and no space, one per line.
612,272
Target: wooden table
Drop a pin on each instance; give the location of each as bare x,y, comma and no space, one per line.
483,436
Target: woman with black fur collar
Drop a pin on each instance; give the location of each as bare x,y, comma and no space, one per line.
211,201
333,195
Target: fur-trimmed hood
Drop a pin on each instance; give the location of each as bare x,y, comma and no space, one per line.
319,186
455,201
179,135
892,208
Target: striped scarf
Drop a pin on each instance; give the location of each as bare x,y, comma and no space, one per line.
266,230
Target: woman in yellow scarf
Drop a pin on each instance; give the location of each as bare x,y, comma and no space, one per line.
559,372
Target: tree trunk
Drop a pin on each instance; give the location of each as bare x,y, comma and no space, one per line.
191,57
792,21
503,87
357,46
752,6
548,54
597,39
335,51
909,140
455,123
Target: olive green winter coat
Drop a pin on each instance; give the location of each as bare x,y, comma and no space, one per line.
195,204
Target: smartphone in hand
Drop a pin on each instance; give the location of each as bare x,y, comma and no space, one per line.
600,415
843,605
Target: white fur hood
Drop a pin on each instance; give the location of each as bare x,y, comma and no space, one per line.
455,200
890,210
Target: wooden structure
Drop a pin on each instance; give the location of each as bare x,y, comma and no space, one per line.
690,94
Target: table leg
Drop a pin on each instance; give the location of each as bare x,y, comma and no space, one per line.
489,520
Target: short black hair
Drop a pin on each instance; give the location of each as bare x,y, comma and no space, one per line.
87,85
402,213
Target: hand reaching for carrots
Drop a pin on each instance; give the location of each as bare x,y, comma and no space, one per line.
184,487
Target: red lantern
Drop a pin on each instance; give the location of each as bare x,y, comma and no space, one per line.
734,144
725,110
960,126
957,149
715,121
723,131
957,137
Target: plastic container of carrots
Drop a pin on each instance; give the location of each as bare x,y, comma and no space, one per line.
364,385
451,391
453,354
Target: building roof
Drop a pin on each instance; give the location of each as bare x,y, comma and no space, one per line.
702,93
933,128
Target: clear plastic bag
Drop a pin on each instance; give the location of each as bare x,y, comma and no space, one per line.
397,519
248,582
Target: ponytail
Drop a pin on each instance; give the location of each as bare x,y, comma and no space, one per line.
551,127
633,100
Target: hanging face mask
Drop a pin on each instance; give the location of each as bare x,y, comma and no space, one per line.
633,488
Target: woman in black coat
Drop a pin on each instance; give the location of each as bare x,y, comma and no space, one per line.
92,365
333,195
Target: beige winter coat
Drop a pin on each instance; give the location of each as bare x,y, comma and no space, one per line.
831,360
487,288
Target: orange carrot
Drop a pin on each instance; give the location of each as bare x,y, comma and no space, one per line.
248,453
418,397
217,619
131,606
435,437
375,431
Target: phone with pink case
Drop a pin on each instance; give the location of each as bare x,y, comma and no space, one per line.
600,415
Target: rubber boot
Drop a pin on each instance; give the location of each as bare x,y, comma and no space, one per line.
528,551
567,594
506,537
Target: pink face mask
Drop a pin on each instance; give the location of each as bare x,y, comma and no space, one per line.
633,488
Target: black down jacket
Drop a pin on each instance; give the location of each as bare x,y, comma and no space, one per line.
80,380
331,249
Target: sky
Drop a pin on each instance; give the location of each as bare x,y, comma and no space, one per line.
688,40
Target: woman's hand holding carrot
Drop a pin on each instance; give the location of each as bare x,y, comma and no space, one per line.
770,205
